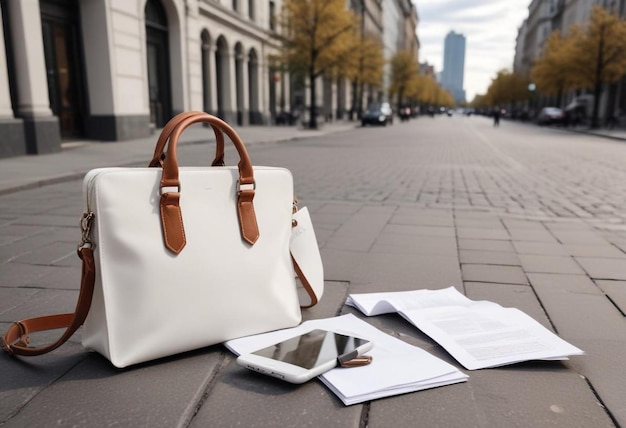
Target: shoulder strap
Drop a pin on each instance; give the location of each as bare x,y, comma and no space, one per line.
15,341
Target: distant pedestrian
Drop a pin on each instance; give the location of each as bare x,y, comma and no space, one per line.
496,117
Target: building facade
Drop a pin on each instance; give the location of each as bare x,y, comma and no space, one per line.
546,16
454,65
111,70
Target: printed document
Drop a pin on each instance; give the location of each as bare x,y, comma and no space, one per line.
396,367
478,334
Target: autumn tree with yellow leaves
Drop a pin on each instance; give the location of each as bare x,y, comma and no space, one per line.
364,67
319,38
587,58
403,69
552,72
599,54
507,88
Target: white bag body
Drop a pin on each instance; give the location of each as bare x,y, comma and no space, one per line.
149,303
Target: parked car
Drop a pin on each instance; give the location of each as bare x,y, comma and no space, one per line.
378,114
550,116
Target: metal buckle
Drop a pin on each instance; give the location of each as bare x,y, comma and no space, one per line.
86,222
169,189
240,189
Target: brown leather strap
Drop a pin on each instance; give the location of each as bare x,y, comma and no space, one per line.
15,341
166,132
247,220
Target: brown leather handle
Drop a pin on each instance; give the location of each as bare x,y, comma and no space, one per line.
166,132
171,215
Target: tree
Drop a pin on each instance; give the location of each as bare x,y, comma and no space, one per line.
365,67
426,91
506,88
599,54
552,72
403,68
318,36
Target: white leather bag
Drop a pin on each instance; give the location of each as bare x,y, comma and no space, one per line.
189,257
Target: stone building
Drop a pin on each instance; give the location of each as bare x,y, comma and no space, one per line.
111,70
546,16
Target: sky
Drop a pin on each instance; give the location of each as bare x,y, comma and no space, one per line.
490,29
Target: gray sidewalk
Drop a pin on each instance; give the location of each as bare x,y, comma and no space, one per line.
78,157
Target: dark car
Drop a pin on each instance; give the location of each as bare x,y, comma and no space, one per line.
378,114
550,116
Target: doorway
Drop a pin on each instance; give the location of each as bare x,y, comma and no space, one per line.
158,57
63,56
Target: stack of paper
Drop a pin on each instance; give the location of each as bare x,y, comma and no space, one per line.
478,334
397,367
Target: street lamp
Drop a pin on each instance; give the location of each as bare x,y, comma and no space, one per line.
531,103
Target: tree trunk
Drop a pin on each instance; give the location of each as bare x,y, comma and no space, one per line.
313,106
353,109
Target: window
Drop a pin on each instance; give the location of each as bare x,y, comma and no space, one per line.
251,9
272,16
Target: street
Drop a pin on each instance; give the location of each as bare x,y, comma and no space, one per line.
525,216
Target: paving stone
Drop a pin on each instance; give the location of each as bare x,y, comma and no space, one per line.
603,268
570,300
584,316
19,274
483,233
616,291
602,251
12,297
559,397
567,224
422,220
339,265
549,264
13,230
477,223
159,394
393,243
50,220
534,235
413,230
331,303
261,401
55,253
44,302
59,277
491,273
485,244
579,237
540,248
398,272
488,258
24,378
522,224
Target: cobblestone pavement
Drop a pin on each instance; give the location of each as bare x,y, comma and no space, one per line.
524,216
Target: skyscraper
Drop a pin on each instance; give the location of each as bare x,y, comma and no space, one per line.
454,65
